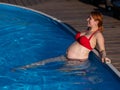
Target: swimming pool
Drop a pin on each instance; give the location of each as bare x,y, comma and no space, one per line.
27,36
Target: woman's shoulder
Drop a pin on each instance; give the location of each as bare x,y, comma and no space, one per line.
99,34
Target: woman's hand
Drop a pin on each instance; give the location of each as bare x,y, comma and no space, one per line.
106,60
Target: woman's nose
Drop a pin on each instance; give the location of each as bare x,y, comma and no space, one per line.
87,19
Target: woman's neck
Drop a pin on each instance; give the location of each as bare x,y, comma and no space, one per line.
93,29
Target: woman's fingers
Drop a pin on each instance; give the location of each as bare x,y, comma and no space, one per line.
107,60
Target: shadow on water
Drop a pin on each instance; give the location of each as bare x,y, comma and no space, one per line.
68,25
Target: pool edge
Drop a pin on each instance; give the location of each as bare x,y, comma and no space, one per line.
109,64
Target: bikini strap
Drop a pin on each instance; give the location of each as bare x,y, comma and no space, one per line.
93,34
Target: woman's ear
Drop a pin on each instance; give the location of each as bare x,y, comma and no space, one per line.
96,23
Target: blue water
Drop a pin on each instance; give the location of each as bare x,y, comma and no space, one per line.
26,37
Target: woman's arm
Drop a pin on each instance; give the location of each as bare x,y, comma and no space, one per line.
101,45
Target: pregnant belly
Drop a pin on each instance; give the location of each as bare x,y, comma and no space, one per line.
77,51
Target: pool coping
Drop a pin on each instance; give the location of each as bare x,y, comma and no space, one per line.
69,29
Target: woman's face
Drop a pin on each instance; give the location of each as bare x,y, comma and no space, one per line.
91,22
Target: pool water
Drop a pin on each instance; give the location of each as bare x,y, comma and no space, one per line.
27,36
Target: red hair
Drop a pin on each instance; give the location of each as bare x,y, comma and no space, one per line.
97,16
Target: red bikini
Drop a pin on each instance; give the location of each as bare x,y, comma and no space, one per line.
84,41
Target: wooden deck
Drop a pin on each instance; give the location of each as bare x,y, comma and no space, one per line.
74,13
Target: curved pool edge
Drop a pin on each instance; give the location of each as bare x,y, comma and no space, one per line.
69,29
32,10
108,64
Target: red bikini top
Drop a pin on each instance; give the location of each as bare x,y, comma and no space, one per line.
84,41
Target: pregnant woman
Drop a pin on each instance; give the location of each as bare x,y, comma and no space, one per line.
77,53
